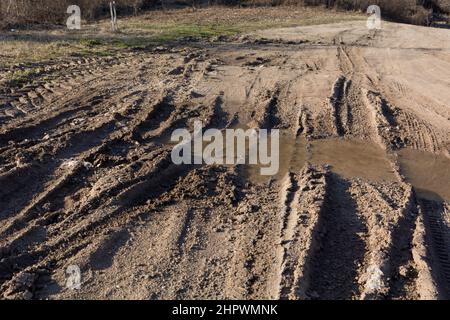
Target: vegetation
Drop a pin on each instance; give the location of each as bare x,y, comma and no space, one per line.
41,38
156,28
15,13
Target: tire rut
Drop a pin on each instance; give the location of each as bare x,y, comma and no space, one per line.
438,237
341,227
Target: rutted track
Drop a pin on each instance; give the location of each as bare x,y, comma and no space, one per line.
434,216
88,179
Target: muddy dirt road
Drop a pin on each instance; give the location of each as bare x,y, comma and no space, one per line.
359,210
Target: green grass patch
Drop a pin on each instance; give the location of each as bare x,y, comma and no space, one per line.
90,42
23,76
183,30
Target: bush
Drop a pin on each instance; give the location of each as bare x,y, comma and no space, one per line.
20,12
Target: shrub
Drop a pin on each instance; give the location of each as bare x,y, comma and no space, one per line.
20,12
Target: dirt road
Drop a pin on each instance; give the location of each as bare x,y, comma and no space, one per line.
359,210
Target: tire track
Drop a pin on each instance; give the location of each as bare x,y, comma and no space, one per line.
341,228
54,81
92,216
338,104
438,233
299,234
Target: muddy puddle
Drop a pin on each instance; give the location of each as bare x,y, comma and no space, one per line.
427,172
353,159
349,158
293,156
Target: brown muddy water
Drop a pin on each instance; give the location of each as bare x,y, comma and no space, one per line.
350,158
353,159
428,173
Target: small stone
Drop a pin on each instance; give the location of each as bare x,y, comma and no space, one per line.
88,165
160,49
243,209
403,271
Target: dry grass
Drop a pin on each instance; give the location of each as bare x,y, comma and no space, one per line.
409,11
155,28
20,12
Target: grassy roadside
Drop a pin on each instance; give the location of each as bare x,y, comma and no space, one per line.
156,28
